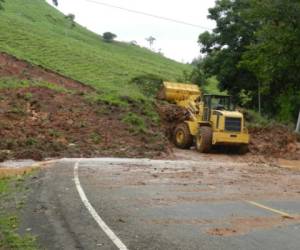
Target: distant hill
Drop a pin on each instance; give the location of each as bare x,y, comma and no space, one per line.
37,32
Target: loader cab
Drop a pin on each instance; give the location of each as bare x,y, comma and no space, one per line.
216,103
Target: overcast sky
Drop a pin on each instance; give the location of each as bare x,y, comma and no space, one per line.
176,41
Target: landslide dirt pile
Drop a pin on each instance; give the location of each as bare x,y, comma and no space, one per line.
171,115
275,141
37,122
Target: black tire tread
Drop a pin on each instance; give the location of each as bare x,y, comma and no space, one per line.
188,140
206,134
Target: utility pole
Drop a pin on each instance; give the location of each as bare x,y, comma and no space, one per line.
298,124
259,99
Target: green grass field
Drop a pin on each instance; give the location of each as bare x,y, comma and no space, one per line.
37,32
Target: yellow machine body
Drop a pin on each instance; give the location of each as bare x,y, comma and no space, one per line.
189,96
180,91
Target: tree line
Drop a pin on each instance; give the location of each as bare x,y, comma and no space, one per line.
254,52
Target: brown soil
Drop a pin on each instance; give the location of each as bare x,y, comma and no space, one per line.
240,225
52,124
10,66
275,141
171,115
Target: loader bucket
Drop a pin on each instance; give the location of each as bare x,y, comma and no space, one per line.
175,92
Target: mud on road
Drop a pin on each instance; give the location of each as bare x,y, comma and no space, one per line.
201,203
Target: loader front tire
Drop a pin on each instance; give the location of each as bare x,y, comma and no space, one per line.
204,140
243,149
182,136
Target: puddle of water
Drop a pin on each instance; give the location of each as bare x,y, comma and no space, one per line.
17,163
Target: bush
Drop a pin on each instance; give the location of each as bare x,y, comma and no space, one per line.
254,119
136,122
109,37
71,19
148,84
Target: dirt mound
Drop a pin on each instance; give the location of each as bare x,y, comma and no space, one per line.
10,66
172,112
275,141
37,122
171,115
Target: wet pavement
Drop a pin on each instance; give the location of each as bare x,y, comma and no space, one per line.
166,204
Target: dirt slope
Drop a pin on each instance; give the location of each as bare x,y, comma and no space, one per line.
38,121
10,66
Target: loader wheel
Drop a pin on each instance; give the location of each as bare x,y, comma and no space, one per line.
204,140
243,149
182,136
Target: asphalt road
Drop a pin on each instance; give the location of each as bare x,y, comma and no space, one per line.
157,204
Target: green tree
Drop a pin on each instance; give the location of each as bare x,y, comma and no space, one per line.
255,48
108,36
225,45
274,55
150,40
197,75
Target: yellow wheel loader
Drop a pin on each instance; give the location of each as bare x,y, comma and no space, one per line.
212,119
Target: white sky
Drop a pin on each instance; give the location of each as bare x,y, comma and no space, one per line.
175,40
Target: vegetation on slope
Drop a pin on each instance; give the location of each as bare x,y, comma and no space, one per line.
37,32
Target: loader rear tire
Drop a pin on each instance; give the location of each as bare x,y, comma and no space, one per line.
204,140
182,136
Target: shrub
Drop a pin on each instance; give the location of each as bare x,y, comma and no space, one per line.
255,119
149,84
136,122
71,19
109,37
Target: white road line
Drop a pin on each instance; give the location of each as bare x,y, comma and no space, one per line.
114,238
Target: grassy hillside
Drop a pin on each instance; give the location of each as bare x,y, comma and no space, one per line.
61,117
37,32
